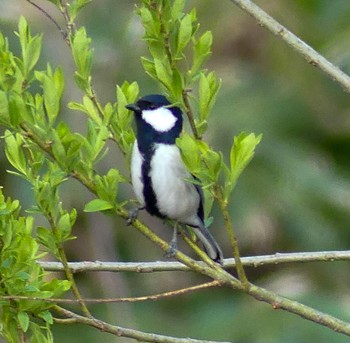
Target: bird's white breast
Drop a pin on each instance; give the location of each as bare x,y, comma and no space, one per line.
136,173
161,119
177,198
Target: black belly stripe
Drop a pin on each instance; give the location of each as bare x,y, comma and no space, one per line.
148,192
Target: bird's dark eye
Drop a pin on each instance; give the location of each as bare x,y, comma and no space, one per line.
152,107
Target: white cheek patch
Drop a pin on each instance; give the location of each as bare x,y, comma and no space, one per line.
161,119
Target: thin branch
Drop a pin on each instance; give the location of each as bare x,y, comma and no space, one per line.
167,266
67,35
189,113
231,234
201,254
22,337
69,23
165,36
278,302
67,271
64,321
171,60
152,297
63,33
70,278
124,332
309,54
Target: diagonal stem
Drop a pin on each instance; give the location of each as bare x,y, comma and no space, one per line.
59,28
189,114
123,332
305,50
151,297
232,236
68,272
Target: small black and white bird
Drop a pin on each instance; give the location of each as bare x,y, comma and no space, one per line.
158,174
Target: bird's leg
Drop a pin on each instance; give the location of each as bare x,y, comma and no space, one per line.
133,214
173,243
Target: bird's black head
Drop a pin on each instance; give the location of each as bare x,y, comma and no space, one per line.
157,119
148,102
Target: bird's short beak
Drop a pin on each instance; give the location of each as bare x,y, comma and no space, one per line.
133,107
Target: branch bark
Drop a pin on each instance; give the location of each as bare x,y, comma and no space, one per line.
305,50
124,332
301,310
164,266
151,297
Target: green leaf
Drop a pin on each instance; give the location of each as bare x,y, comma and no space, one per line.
67,145
75,6
123,116
149,67
46,316
4,111
177,8
242,151
57,287
30,47
17,109
95,143
190,152
108,112
107,185
64,226
23,320
177,84
76,106
87,107
213,161
131,90
73,216
14,152
52,84
58,149
82,55
91,110
82,81
203,96
184,34
156,48
150,23
33,52
38,335
97,205
209,86
27,250
164,74
47,239
201,51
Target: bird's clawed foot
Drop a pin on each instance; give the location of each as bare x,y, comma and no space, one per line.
171,252
133,215
173,244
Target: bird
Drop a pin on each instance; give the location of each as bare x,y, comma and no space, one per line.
160,178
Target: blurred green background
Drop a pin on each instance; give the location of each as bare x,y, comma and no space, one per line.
294,196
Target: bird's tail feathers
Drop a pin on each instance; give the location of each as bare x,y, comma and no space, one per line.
210,245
